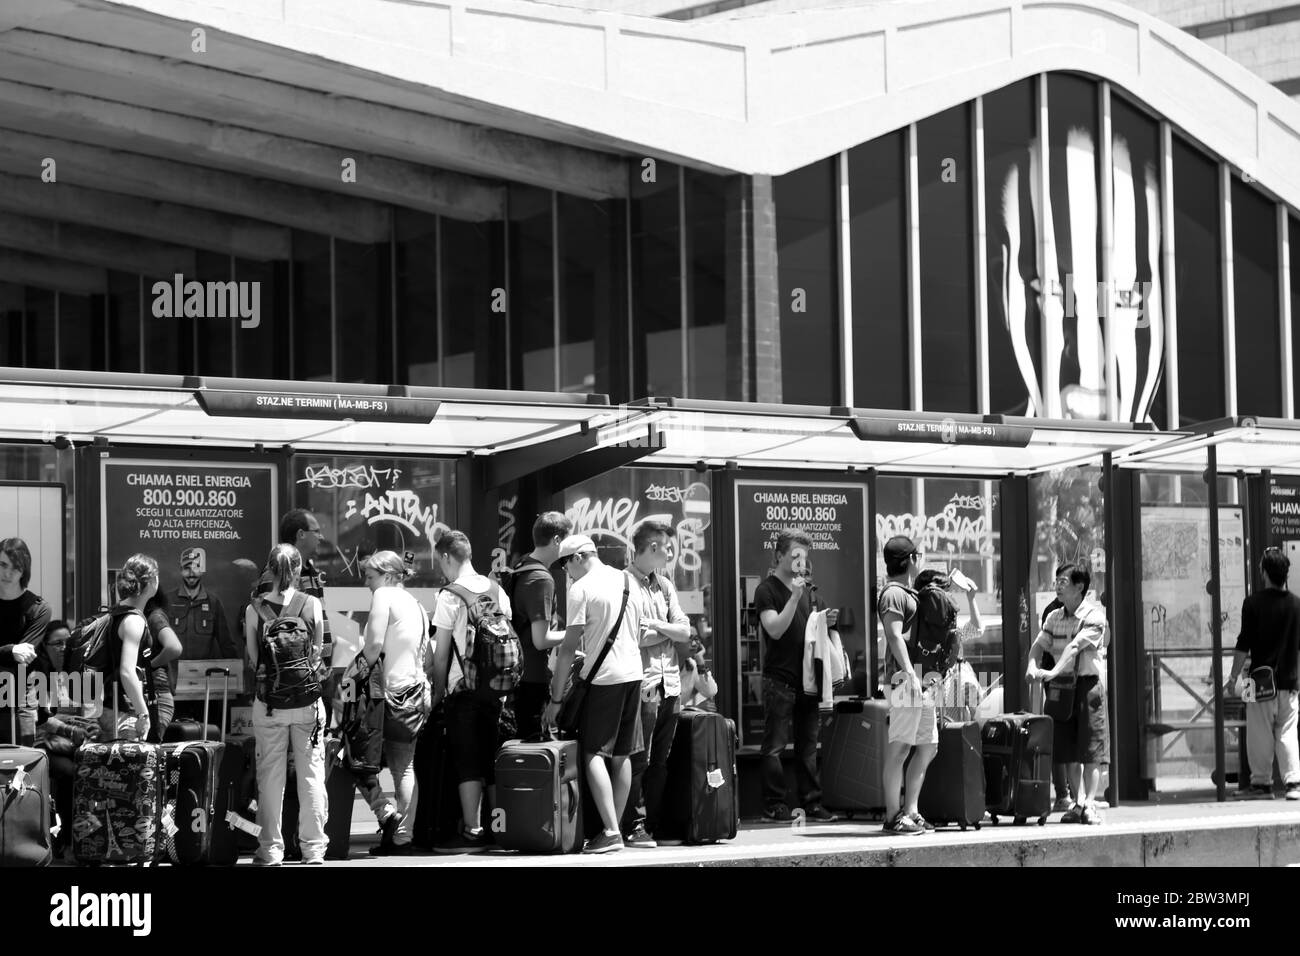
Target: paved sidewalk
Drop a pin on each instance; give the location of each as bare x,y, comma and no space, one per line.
1242,833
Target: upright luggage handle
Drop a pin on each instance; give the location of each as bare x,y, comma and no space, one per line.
207,700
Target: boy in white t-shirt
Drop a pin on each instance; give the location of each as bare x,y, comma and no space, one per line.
472,715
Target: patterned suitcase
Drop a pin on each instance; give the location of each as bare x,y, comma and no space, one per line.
117,802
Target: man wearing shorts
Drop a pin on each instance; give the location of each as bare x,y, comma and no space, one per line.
913,725
1075,633
610,731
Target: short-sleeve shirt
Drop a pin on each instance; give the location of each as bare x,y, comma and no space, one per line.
452,614
653,596
899,600
533,596
1086,629
783,654
1270,634
594,603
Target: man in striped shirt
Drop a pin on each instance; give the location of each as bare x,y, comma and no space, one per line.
1075,633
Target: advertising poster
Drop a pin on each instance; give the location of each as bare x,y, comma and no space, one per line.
1284,522
834,517
216,518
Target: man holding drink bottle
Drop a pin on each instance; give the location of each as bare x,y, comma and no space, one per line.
784,603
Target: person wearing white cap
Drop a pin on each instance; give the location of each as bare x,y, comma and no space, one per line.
601,623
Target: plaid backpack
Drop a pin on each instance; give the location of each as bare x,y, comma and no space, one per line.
493,664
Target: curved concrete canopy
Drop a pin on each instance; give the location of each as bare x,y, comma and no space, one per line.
760,94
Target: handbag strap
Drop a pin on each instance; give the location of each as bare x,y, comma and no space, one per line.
613,635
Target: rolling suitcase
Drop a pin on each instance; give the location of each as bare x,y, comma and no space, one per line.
193,783
117,800
853,756
437,807
953,791
24,804
1018,767
701,803
539,796
234,829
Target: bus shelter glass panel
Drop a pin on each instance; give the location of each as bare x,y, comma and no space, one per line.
1178,644
954,522
364,505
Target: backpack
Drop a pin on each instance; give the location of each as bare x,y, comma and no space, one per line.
935,640
288,676
93,644
493,663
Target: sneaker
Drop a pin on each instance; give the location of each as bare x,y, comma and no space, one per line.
1062,805
313,861
922,822
902,825
779,812
669,842
398,849
638,839
1293,791
1091,817
819,814
463,842
1073,815
605,843
262,861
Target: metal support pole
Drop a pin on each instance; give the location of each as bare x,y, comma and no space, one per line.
1109,476
1216,625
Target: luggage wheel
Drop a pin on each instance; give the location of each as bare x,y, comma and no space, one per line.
975,825
963,827
993,819
849,815
1042,821
1019,821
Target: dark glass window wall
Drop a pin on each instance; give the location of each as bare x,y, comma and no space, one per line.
878,244
417,298
945,183
707,360
1200,289
1255,305
808,297
313,307
532,290
657,367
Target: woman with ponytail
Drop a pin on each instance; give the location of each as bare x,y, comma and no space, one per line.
284,632
136,583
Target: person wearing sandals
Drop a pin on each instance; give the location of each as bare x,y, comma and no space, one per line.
1076,634
397,630
913,718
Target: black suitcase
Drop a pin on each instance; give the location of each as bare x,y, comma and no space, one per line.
180,731
539,796
953,791
1018,767
24,804
853,742
701,803
437,807
234,830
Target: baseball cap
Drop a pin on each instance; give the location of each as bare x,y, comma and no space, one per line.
575,544
898,549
